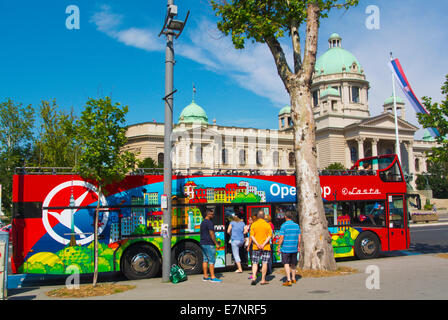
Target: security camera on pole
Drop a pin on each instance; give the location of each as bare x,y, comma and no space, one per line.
171,28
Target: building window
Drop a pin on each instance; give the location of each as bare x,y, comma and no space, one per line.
160,158
333,105
259,157
275,158
290,124
198,154
283,122
315,98
242,157
417,165
225,156
291,159
353,154
355,94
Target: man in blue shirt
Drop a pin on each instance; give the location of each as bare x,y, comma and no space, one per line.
209,245
289,245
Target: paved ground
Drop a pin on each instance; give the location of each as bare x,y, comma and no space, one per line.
402,275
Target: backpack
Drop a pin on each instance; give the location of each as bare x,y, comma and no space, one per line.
177,274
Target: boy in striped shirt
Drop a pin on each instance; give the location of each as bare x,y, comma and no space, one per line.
289,245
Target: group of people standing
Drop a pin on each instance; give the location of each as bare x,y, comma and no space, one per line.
257,238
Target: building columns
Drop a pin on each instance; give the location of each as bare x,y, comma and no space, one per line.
360,141
375,151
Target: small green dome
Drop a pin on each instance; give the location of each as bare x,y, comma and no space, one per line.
330,92
336,60
285,109
335,36
193,114
390,100
427,136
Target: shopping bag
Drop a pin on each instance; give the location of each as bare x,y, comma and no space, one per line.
177,274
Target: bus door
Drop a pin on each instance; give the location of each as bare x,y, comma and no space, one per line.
397,222
229,212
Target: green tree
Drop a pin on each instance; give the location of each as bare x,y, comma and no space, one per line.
100,132
436,177
335,166
267,21
55,145
149,163
437,118
16,136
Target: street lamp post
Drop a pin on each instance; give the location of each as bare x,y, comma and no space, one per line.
171,28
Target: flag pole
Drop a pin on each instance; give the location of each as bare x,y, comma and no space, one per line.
397,142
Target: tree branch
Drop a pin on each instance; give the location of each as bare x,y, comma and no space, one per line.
280,60
296,46
312,27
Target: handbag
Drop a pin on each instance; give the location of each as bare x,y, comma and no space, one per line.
177,274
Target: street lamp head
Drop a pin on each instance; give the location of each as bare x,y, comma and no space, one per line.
176,25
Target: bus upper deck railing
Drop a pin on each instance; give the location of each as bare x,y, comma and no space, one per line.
196,172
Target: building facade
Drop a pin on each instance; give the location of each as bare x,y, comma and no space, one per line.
345,130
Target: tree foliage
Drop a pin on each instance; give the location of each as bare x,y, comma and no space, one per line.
55,145
16,138
437,118
335,166
436,179
101,134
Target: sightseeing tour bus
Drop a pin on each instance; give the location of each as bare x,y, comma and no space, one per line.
53,215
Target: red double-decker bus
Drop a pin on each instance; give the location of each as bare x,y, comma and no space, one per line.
54,213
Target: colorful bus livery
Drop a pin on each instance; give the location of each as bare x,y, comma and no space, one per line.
54,214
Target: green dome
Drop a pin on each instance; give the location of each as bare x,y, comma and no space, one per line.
427,136
285,109
335,59
390,100
193,114
330,92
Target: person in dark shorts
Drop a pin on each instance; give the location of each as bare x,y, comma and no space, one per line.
261,234
209,245
289,246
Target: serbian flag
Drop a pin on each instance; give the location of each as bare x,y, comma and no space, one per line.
397,70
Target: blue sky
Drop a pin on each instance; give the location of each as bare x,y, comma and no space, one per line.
117,52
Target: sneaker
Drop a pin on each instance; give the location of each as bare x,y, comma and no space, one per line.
254,282
287,283
205,279
293,281
215,280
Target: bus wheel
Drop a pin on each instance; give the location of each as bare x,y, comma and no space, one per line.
188,256
140,261
367,246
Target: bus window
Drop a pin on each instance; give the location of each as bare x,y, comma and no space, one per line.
279,211
218,219
253,210
229,211
368,213
392,174
329,213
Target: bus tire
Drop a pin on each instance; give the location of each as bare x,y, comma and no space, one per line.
188,256
140,261
367,246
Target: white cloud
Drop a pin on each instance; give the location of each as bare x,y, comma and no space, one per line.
252,68
109,23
